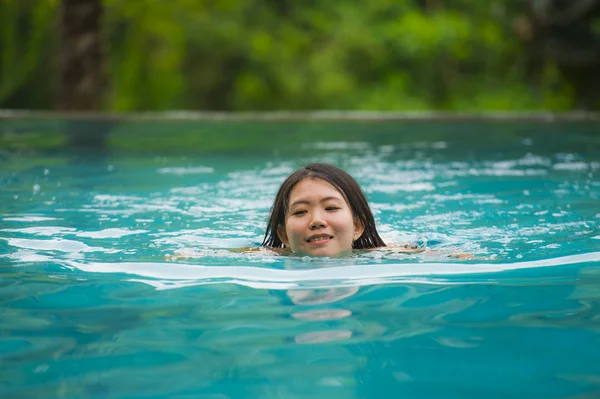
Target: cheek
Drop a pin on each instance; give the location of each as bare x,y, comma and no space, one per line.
292,229
344,222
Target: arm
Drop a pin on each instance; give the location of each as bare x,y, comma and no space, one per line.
411,248
189,254
266,250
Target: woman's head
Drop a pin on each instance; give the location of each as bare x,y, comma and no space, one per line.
320,210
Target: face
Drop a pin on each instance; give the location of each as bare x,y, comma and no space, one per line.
319,221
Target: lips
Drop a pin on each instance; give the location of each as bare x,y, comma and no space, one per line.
319,237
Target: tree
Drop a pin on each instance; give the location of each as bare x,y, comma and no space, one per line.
82,65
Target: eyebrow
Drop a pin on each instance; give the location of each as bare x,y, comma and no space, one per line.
305,202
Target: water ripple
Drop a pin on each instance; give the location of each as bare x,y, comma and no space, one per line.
173,275
57,244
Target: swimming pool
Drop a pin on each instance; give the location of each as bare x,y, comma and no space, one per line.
90,307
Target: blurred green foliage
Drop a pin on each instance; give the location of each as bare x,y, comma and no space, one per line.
283,54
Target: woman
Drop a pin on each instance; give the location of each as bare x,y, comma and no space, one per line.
320,210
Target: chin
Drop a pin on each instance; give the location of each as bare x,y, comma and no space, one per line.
327,252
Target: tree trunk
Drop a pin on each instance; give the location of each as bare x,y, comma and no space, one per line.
82,73
562,31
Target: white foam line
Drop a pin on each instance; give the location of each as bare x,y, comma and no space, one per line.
165,274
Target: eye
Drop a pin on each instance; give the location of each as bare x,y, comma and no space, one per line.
332,208
299,212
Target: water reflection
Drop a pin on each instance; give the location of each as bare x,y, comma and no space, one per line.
306,298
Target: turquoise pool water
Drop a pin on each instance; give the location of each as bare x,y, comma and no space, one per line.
90,307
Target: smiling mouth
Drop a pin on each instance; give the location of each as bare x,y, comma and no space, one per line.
319,238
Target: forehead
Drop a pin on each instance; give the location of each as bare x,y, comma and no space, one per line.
310,187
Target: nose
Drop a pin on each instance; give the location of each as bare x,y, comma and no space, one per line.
317,221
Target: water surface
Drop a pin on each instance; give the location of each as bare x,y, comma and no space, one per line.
91,308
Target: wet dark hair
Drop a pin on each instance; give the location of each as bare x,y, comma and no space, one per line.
345,184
